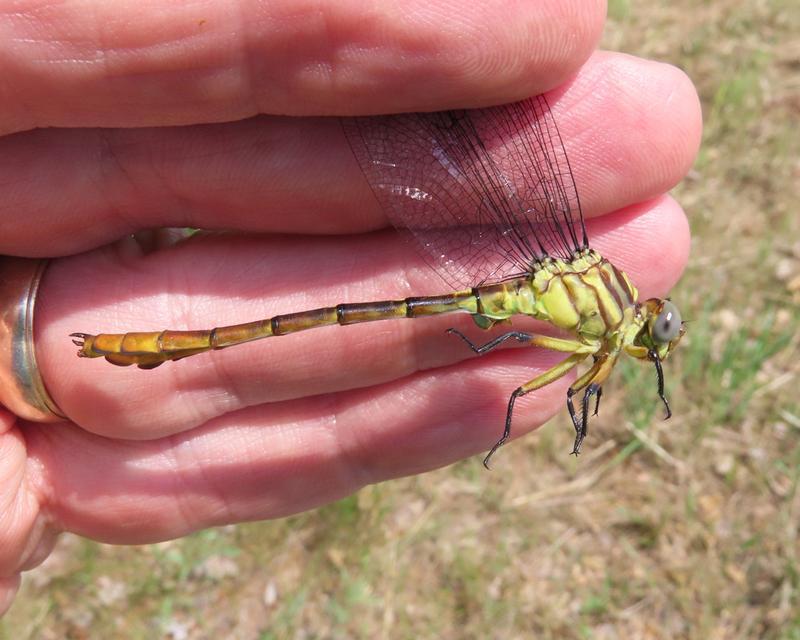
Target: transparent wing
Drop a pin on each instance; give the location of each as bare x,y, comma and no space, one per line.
484,193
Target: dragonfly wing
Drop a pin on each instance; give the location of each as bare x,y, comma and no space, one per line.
483,193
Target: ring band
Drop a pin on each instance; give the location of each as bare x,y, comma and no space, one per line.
22,389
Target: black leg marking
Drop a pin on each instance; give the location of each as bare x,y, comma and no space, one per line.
507,431
571,409
518,335
591,390
597,401
660,374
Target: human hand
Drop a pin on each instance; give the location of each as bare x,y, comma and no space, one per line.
281,425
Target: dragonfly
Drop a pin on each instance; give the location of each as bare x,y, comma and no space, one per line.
489,198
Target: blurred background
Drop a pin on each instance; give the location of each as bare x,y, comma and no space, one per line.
679,529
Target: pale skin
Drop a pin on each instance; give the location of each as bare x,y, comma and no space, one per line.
308,418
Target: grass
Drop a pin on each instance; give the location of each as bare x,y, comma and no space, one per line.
686,528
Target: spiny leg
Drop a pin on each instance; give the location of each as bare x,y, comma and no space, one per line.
580,427
599,393
592,389
546,342
597,401
579,384
591,381
520,336
546,378
652,355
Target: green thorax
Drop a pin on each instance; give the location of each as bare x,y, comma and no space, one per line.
586,296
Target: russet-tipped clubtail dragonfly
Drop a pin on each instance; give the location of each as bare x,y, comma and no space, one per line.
489,197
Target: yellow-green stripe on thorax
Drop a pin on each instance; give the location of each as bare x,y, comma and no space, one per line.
586,296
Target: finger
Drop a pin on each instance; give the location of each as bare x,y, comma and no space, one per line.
271,461
216,281
631,130
101,64
21,529
8,590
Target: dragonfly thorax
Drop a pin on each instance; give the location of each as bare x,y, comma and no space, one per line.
586,295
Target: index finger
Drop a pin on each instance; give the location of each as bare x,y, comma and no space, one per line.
155,63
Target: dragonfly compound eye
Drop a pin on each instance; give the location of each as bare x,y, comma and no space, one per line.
667,325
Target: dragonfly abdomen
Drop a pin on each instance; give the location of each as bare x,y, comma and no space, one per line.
150,349
355,313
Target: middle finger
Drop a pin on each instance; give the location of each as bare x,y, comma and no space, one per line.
631,129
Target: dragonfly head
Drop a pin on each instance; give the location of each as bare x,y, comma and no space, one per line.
662,328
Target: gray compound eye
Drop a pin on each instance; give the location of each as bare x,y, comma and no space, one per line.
668,323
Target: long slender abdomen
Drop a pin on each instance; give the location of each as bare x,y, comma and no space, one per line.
150,349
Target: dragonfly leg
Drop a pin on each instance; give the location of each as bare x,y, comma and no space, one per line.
593,389
546,378
554,344
518,335
653,356
597,401
599,394
591,381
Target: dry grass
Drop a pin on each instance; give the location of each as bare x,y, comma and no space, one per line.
681,529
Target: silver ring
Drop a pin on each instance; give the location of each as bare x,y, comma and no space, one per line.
22,389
